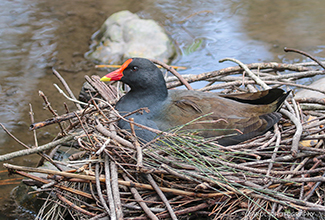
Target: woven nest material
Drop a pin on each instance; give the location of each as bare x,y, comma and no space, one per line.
278,175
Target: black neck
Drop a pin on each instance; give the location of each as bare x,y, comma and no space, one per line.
153,93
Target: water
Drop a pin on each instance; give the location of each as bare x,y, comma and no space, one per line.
26,39
36,35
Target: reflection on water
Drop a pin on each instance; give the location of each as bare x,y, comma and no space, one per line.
217,26
35,35
251,31
26,39
298,24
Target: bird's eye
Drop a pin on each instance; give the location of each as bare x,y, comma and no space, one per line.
135,68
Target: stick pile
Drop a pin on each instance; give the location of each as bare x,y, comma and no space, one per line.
180,176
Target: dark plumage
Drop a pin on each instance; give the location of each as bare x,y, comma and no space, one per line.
250,113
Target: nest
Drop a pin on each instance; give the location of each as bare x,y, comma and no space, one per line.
278,175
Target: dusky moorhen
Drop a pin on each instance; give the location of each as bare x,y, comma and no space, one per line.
250,113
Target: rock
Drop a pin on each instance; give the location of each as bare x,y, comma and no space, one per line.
305,93
124,35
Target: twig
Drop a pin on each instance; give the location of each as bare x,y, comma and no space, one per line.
59,186
100,216
139,199
115,190
44,156
98,152
319,180
74,206
67,111
49,107
297,135
278,139
192,209
162,196
311,100
267,80
173,71
137,146
99,190
305,54
86,132
275,172
31,114
99,127
109,188
13,137
237,69
63,118
130,206
249,72
38,149
108,92
178,175
295,108
76,101
125,183
47,103
67,88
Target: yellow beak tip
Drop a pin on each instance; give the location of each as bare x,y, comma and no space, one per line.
105,79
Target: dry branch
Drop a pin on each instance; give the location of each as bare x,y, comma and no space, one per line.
39,149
